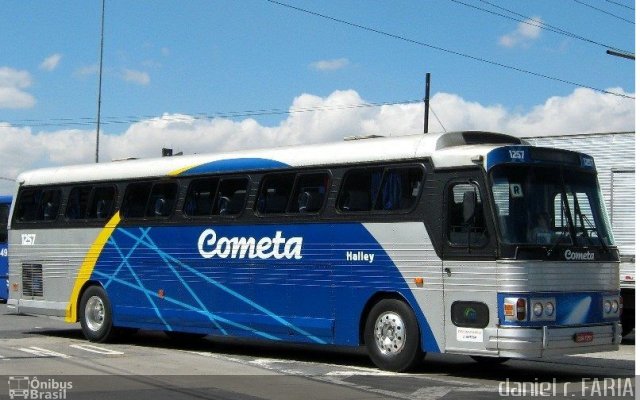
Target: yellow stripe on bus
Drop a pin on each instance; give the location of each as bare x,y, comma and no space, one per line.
181,170
86,269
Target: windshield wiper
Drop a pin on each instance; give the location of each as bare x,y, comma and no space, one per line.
565,228
558,240
584,218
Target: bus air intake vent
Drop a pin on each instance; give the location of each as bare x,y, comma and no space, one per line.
32,280
453,139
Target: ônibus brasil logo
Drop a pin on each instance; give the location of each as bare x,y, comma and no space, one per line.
278,247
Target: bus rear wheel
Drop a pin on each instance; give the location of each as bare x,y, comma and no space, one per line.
96,318
392,336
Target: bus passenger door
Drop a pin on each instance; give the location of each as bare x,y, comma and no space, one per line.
469,266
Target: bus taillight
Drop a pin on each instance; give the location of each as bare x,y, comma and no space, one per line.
515,309
521,309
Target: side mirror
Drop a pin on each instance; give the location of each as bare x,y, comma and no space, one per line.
469,202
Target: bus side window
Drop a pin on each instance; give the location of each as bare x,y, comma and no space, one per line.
200,197
274,193
49,205
102,202
472,232
231,196
360,186
392,189
27,205
309,193
400,189
4,219
162,199
77,203
135,199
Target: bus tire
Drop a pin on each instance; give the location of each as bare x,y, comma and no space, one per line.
96,318
392,336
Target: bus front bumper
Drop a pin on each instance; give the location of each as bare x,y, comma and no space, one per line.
548,341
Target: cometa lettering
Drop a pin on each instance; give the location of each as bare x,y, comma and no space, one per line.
586,256
278,247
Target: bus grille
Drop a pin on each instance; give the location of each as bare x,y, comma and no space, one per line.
32,280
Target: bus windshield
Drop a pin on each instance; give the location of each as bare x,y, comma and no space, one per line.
540,205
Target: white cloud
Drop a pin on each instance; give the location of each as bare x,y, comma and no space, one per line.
10,77
137,77
12,85
582,111
330,65
87,70
50,63
525,33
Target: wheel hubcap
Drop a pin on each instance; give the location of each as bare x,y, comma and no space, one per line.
390,333
94,313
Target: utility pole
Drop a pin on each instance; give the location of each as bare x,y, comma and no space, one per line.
100,83
427,94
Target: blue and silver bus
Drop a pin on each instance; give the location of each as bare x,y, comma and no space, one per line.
469,243
5,206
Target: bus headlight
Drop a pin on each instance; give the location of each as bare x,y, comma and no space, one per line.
543,309
607,306
549,309
611,306
537,309
523,309
614,306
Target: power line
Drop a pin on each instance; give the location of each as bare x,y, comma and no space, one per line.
424,44
604,12
437,118
619,4
530,21
87,121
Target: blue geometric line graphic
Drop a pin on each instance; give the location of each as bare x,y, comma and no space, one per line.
189,307
135,276
165,256
152,245
124,258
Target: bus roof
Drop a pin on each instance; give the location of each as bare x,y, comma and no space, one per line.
446,150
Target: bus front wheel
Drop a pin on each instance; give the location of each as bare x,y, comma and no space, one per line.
392,336
95,315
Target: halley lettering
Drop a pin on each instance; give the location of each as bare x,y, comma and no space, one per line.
278,247
359,256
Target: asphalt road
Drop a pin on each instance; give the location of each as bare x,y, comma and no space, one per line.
53,360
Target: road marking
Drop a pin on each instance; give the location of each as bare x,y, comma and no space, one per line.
609,355
40,352
348,374
216,356
96,349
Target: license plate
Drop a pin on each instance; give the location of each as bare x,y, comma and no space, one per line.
583,337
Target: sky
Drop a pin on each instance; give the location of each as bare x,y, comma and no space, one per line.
204,76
